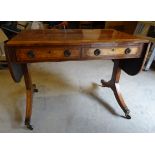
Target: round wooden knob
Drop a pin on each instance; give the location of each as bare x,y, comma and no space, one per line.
67,53
97,52
30,54
127,51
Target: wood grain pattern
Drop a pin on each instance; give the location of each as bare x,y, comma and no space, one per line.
111,53
49,45
47,54
73,37
58,54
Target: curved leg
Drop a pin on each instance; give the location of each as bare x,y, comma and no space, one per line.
114,85
120,100
29,100
30,89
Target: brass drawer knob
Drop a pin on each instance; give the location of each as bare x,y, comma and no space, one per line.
67,53
127,51
97,52
30,54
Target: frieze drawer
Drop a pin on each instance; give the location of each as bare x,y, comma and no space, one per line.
118,52
41,54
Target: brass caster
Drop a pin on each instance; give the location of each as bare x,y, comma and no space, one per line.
127,111
29,127
127,116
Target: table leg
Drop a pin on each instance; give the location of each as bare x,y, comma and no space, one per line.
114,85
152,56
30,89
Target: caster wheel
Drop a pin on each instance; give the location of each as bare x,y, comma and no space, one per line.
29,127
128,116
127,112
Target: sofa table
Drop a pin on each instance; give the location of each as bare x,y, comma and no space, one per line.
126,51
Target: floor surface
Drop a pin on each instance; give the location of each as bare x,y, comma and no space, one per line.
71,100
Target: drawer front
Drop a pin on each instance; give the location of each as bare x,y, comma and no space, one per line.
118,52
47,54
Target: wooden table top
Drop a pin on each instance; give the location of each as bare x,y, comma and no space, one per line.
72,37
